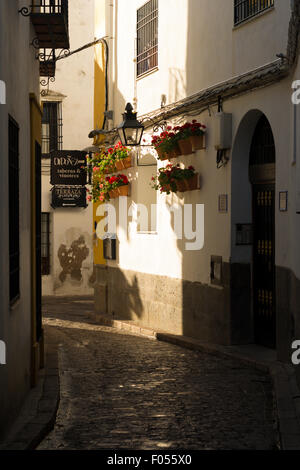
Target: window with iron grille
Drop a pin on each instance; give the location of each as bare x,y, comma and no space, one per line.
147,37
51,127
45,243
245,9
14,211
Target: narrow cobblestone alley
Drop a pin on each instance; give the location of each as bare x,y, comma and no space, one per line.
122,391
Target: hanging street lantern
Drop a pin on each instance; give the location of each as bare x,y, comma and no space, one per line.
131,130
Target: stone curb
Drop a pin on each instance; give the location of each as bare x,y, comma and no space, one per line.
34,431
286,390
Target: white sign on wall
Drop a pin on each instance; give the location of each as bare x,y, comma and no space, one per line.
2,353
2,92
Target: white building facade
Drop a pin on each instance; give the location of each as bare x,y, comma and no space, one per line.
68,116
181,60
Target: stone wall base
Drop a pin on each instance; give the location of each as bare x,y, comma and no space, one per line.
205,312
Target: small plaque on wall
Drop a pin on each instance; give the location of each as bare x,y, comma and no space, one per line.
283,201
223,203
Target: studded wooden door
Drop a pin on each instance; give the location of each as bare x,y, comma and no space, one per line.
262,176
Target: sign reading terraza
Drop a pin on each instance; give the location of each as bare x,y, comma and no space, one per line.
68,167
69,196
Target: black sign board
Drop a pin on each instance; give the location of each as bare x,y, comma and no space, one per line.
68,167
69,196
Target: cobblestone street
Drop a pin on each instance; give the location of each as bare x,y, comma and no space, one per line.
121,391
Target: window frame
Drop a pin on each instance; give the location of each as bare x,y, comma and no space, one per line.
152,31
46,260
14,209
58,138
253,12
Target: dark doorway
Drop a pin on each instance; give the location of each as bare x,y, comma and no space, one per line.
262,177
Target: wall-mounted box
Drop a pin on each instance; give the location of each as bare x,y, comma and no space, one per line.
216,277
223,131
109,248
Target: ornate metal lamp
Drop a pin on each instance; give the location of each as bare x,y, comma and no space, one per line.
131,130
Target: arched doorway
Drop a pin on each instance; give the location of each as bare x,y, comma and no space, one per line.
262,178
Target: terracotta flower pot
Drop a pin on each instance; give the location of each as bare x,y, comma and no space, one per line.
175,152
123,190
113,193
161,155
124,163
185,146
197,142
188,184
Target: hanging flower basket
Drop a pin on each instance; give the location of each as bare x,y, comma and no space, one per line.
175,152
173,178
197,142
123,164
162,155
113,193
189,184
191,137
185,146
123,190
166,145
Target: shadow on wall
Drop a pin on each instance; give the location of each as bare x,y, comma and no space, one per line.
205,306
71,259
74,264
118,294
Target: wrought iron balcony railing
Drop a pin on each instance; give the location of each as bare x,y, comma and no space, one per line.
47,63
245,9
50,20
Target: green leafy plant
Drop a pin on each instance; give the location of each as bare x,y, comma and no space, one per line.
102,187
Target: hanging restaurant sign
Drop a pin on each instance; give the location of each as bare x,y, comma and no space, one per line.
68,167
68,196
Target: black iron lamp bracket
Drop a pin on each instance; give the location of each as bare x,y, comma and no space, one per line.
26,11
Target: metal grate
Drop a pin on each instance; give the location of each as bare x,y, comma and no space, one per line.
14,211
245,9
45,243
51,128
147,37
50,7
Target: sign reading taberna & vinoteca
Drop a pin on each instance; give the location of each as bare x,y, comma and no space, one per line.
68,196
68,167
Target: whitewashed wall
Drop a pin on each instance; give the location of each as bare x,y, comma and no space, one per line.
19,70
75,81
199,47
